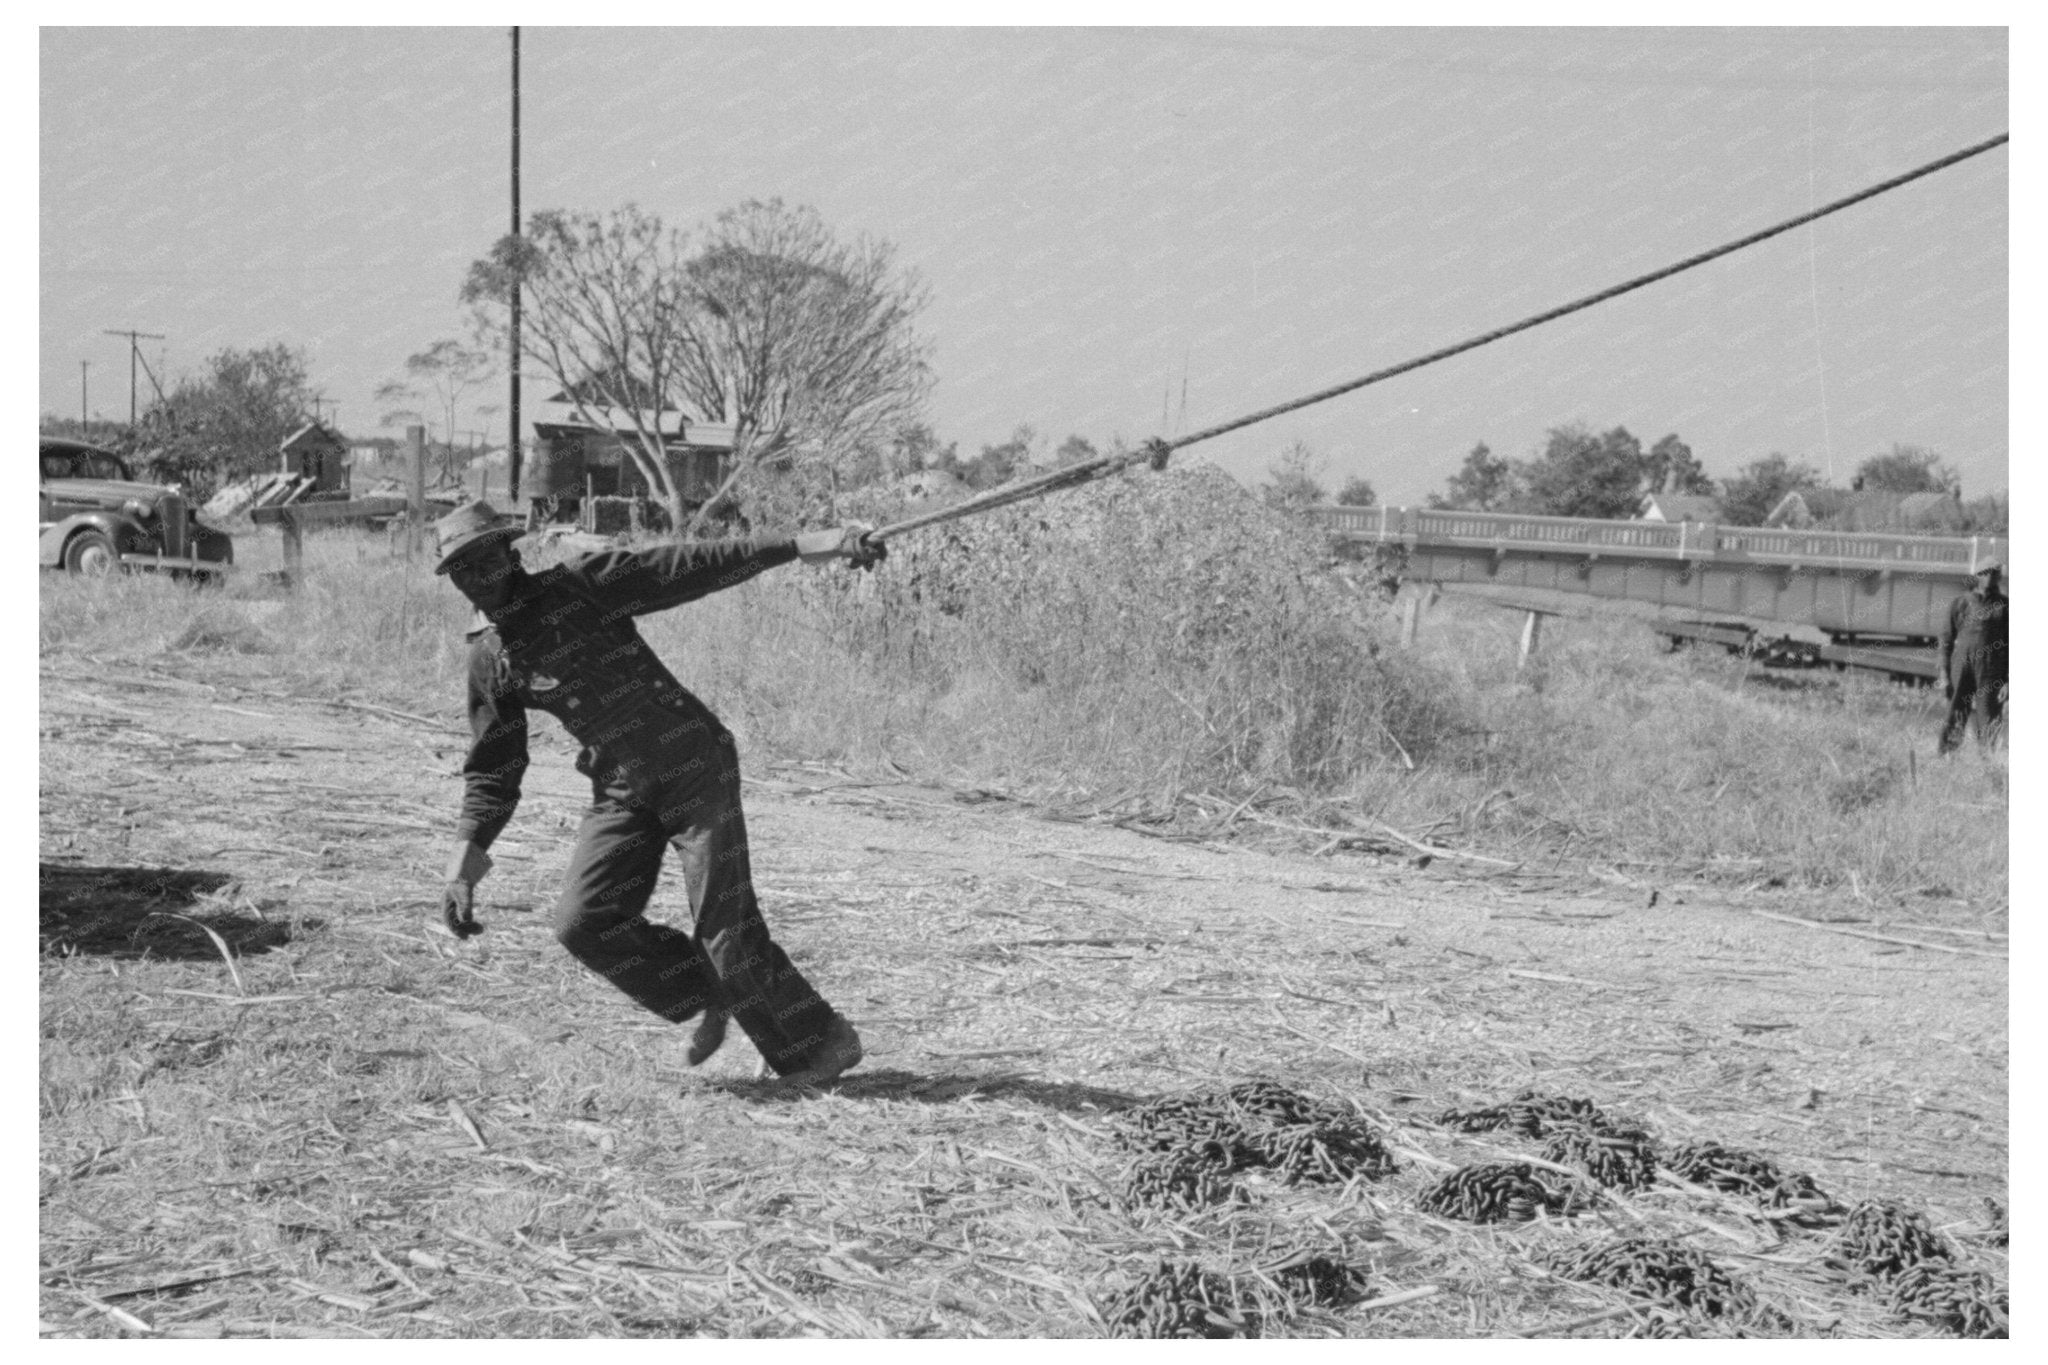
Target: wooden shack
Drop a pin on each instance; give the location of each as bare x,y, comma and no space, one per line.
313,452
574,459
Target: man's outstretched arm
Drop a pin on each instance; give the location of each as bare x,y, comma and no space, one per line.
642,581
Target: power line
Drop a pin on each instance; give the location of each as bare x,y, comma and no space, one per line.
1601,297
1156,451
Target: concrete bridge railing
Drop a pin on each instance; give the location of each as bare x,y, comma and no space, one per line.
1422,527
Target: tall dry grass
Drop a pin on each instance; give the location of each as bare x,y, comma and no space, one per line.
1166,639
1607,746
363,623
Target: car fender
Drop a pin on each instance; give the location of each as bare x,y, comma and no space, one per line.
50,544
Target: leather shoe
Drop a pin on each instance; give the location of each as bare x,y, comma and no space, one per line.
709,1037
839,1052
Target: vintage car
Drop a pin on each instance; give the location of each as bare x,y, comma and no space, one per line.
96,518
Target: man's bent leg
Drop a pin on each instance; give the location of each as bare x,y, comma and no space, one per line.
1960,705
1988,721
599,918
767,996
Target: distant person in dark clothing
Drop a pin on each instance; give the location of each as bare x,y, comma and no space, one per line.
663,773
1973,661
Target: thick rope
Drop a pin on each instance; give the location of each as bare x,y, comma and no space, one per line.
1156,451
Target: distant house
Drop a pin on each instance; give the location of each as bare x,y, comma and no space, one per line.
1676,507
575,458
1841,509
365,457
313,452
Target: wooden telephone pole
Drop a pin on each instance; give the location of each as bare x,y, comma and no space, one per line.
134,354
512,435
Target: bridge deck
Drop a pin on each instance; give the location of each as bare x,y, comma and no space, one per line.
1848,583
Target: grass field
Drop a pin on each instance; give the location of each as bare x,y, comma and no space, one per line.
1052,885
1094,667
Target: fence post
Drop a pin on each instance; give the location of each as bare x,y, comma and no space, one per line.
416,500
294,548
1532,636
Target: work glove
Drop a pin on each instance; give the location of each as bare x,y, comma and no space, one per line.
867,551
852,542
467,866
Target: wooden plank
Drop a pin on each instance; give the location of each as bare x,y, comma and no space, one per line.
328,513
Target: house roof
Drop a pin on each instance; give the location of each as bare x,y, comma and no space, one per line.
669,423
1866,509
1680,507
312,431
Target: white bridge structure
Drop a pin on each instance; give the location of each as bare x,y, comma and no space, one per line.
1878,598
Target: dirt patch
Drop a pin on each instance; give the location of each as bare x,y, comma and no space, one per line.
375,1131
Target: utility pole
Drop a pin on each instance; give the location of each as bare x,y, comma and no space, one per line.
512,435
84,422
134,354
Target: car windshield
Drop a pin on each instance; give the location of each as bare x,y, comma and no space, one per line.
82,464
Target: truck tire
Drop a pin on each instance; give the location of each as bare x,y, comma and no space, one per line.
92,553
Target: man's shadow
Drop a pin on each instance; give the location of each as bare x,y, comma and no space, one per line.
158,912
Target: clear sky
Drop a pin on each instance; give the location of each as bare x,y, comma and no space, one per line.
1124,232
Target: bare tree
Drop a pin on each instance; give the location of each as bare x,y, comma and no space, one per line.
441,374
606,302
801,341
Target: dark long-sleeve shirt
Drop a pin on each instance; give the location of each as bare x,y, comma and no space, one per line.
1976,622
599,592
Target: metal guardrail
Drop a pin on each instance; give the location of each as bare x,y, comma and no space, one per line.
1684,541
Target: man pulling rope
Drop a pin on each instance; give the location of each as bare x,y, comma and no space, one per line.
662,770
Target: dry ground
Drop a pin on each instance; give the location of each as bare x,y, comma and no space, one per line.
364,1129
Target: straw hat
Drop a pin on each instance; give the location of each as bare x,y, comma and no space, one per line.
468,526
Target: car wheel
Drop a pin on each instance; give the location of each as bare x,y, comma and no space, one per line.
93,553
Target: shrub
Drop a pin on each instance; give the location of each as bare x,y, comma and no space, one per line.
1171,619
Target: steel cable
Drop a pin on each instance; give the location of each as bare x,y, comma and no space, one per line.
1155,452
